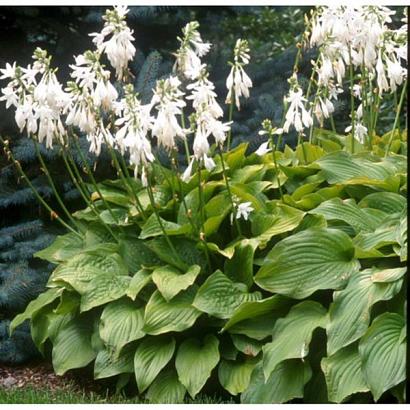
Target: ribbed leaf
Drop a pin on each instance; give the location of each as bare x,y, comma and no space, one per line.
137,283
388,202
401,237
62,249
106,365
170,281
174,316
235,376
253,309
349,314
292,334
151,356
283,219
343,374
136,254
166,389
104,288
247,345
349,212
308,261
240,267
340,166
383,353
82,268
185,248
44,299
72,346
285,383
153,228
219,296
121,322
194,362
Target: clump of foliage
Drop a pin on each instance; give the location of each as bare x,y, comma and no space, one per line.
279,274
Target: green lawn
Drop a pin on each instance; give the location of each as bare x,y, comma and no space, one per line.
32,395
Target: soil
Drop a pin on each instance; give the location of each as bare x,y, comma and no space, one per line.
41,375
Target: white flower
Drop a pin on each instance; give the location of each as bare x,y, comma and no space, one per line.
243,210
192,48
395,72
263,149
360,131
118,48
238,82
8,72
168,101
188,171
297,114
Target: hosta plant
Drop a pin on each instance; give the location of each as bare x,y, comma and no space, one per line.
276,276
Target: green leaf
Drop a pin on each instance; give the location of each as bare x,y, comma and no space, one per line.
401,237
283,219
341,167
166,389
285,383
152,228
194,362
44,299
121,322
349,314
383,353
102,289
235,376
249,173
136,254
343,374
308,261
388,202
69,302
185,248
96,234
80,270
248,346
138,282
219,296
107,365
72,346
170,281
151,357
240,267
216,210
62,249
253,309
174,316
246,193
349,212
292,335
113,195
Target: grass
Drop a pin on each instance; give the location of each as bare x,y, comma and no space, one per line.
32,395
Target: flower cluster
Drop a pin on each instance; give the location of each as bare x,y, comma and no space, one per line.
359,36
238,83
39,104
118,48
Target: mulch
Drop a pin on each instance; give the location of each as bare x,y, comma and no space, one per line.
41,376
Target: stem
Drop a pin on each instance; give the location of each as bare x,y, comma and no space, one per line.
185,139
77,183
366,110
154,207
351,97
201,216
52,185
230,115
228,188
135,194
396,120
332,123
34,190
276,165
90,174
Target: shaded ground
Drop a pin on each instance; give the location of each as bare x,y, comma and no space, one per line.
36,383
